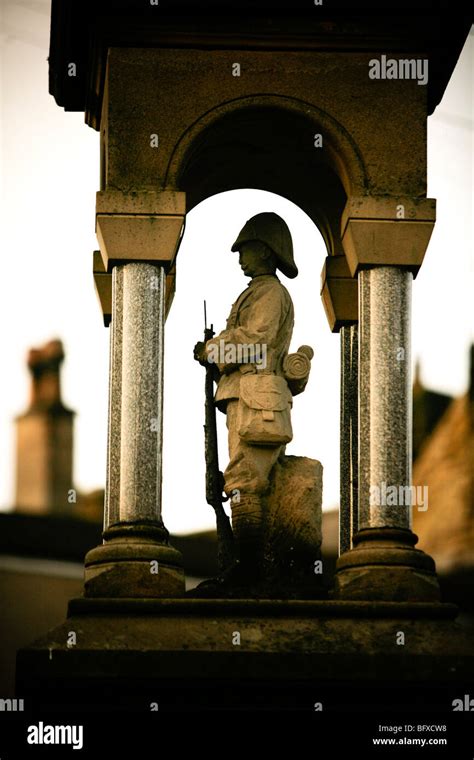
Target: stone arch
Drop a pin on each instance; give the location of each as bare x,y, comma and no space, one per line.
267,142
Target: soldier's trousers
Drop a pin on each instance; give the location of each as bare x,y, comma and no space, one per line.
249,466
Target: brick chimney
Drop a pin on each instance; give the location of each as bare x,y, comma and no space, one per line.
44,438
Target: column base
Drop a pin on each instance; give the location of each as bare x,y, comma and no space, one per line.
385,566
136,560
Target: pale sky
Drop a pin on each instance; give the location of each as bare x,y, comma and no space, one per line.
49,164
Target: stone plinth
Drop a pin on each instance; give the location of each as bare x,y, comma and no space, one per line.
199,654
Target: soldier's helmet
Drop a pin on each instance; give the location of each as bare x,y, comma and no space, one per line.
272,230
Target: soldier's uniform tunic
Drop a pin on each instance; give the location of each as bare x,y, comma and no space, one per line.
262,315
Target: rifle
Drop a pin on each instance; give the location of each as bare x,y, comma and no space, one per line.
214,477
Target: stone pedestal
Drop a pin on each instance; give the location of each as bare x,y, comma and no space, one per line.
198,654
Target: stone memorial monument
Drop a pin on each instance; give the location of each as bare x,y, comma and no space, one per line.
192,100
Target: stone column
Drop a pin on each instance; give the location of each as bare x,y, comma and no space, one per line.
385,253
136,559
385,396
112,485
339,296
348,515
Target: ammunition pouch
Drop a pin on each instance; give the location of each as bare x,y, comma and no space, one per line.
264,410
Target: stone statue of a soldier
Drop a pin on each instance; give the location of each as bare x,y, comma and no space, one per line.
252,390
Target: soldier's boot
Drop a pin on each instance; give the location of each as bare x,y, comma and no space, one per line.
247,525
243,576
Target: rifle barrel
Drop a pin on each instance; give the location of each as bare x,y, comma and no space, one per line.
213,475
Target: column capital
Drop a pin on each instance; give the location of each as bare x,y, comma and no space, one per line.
387,231
103,287
339,293
139,226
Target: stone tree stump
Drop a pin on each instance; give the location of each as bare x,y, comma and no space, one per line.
293,532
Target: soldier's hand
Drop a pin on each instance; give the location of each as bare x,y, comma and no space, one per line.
200,354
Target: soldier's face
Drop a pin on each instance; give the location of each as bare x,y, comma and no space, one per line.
252,259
